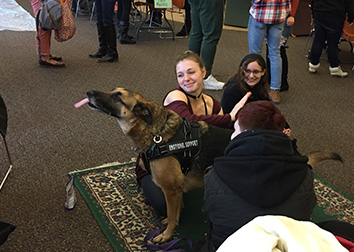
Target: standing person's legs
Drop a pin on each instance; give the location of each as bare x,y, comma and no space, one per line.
186,28
187,20
44,36
124,11
108,12
102,46
256,35
318,42
120,10
211,20
124,7
109,31
273,39
196,35
334,31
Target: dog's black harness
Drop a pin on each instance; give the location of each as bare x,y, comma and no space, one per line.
185,145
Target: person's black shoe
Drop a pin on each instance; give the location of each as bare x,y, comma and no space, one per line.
126,40
109,57
99,54
182,33
284,88
130,37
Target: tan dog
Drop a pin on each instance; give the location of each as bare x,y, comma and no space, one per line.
144,122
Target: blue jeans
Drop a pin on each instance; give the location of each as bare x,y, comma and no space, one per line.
326,29
207,23
105,12
257,32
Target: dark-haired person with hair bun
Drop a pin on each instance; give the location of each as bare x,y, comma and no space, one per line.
261,173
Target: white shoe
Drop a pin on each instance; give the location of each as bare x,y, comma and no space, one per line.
212,83
337,71
313,68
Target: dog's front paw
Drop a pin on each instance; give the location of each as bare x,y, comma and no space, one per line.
162,238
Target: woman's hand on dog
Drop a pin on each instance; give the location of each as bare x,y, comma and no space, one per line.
239,105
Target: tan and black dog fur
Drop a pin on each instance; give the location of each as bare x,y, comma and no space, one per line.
142,120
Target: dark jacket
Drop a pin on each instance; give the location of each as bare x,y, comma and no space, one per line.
233,94
261,174
335,9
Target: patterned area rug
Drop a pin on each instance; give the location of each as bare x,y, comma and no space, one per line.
118,205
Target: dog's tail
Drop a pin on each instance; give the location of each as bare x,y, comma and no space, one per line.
319,156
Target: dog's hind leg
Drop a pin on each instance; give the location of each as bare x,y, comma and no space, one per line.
168,175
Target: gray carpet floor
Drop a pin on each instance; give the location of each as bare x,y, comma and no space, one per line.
48,137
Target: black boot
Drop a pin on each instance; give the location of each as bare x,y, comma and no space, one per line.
284,75
111,39
183,32
102,46
123,37
187,21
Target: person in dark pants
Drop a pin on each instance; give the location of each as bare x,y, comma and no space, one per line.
328,18
107,50
285,63
207,23
185,30
124,7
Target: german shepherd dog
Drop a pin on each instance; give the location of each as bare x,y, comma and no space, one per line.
142,121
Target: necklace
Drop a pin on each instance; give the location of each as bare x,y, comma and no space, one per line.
196,97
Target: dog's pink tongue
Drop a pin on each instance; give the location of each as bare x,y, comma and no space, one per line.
81,103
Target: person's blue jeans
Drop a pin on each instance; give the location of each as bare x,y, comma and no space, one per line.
105,12
207,23
257,32
330,30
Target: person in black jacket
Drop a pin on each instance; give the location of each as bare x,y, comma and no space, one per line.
262,173
328,18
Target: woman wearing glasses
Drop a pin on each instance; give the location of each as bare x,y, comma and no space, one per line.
250,77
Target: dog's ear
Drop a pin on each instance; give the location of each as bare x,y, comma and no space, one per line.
142,111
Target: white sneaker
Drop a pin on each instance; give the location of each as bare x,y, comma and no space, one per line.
212,83
337,71
313,68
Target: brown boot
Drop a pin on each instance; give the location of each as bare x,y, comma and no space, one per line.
274,96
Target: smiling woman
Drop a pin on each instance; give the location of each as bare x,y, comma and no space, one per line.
251,77
189,101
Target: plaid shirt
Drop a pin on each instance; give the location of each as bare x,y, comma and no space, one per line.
270,11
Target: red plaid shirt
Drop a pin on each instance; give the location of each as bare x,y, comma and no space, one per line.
270,11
